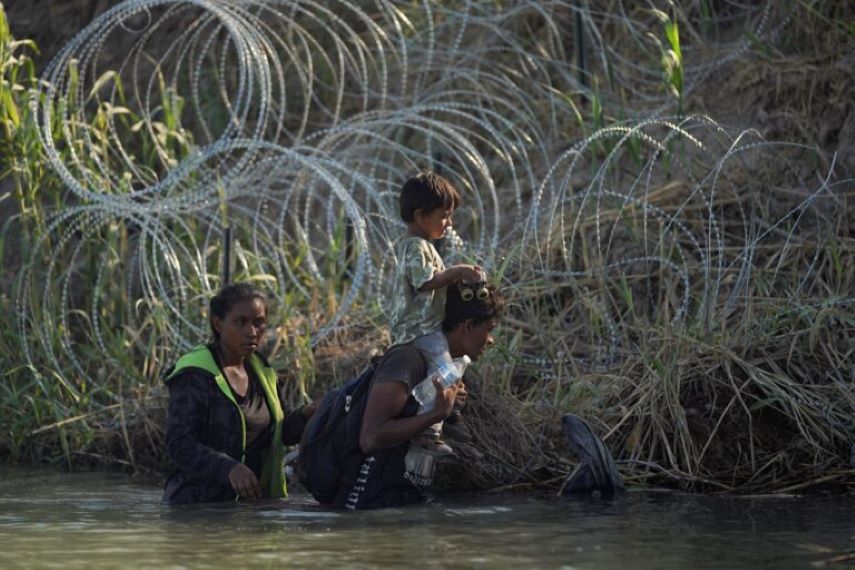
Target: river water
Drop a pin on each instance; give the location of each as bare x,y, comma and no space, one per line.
94,520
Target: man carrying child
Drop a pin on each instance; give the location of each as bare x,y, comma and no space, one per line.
379,473
427,203
372,443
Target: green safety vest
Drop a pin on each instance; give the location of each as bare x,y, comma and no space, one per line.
272,471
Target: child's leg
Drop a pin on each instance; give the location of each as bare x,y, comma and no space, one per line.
434,347
429,441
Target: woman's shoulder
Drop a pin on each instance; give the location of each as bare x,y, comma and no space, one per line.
187,377
174,373
198,364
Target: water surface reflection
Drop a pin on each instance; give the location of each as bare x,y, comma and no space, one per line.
93,520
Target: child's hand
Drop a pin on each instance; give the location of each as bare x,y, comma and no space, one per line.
469,273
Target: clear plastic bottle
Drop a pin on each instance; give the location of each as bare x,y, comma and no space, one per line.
449,373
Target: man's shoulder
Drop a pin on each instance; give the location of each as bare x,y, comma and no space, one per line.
401,357
400,352
403,347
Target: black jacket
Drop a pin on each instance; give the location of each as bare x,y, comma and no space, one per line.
204,439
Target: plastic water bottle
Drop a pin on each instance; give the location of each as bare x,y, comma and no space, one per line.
449,373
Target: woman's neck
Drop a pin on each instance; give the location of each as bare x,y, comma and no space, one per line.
227,359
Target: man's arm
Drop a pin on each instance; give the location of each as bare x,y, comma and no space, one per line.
295,423
382,427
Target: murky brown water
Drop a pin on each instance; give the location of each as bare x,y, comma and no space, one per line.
92,521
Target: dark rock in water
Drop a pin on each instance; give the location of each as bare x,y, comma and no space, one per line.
596,473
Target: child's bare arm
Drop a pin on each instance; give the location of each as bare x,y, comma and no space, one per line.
440,279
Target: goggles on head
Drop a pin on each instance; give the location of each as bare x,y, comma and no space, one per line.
471,291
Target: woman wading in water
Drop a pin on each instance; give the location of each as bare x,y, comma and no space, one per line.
226,430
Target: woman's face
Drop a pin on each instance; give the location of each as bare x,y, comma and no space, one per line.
242,328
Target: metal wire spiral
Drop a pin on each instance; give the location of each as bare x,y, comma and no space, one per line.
294,122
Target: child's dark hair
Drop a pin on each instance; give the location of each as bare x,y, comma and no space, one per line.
228,297
427,191
479,309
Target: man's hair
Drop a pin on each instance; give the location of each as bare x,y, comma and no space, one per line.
426,191
228,297
458,310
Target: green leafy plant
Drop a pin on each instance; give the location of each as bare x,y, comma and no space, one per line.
672,58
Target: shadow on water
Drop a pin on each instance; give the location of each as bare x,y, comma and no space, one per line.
94,520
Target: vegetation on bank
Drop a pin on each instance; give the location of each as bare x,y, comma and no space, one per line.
687,287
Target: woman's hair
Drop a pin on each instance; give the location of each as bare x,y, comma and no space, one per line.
228,297
482,302
426,191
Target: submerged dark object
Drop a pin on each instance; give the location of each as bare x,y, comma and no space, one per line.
596,473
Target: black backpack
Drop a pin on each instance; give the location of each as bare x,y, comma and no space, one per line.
331,434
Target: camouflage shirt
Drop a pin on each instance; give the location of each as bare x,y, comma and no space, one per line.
415,313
